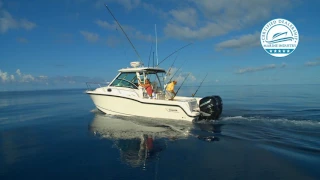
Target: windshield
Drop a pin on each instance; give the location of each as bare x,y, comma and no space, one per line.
128,80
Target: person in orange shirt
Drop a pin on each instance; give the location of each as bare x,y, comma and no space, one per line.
170,93
148,87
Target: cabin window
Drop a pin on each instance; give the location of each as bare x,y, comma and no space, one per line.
128,80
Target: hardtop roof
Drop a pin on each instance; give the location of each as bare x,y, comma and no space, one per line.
142,69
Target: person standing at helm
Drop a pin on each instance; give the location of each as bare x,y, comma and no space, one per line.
148,87
170,93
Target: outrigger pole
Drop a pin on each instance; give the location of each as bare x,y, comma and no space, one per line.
199,86
124,33
173,53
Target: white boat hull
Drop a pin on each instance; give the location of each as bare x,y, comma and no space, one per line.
132,105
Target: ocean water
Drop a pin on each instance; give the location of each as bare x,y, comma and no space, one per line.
265,132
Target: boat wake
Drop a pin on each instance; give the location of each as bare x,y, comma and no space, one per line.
272,120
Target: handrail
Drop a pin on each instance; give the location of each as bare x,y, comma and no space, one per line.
98,83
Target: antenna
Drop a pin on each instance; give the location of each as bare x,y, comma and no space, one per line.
124,33
155,29
149,55
153,59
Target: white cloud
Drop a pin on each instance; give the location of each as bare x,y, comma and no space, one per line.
24,77
128,4
7,22
312,63
91,37
106,25
157,11
283,65
5,77
18,72
245,41
255,69
131,31
223,17
186,16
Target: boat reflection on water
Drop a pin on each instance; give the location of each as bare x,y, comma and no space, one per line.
140,140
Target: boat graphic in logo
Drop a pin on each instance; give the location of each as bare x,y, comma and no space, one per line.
279,37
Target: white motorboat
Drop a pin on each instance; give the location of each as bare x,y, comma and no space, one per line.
124,96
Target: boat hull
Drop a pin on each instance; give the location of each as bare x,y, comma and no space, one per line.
153,108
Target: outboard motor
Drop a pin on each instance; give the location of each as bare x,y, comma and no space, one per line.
210,107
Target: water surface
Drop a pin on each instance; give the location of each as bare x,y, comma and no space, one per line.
265,132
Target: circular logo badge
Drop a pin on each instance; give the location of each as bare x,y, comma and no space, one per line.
279,37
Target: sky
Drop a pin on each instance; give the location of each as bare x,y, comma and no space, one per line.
65,43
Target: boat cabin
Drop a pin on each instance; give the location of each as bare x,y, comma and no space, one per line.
130,78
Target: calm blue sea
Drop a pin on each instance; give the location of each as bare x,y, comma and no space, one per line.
265,132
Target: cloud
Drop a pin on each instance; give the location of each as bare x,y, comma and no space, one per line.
186,16
157,11
283,65
312,63
4,76
131,31
128,4
20,77
7,22
25,77
243,42
18,72
255,69
91,37
106,25
222,17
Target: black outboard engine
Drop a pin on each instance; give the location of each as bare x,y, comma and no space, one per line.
210,107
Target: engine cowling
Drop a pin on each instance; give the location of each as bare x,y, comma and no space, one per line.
210,107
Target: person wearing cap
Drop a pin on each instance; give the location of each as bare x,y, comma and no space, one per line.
170,93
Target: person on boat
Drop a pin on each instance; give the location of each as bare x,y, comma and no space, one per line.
147,85
170,93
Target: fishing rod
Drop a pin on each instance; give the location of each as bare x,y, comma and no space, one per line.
174,53
124,32
199,86
177,71
171,65
181,85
